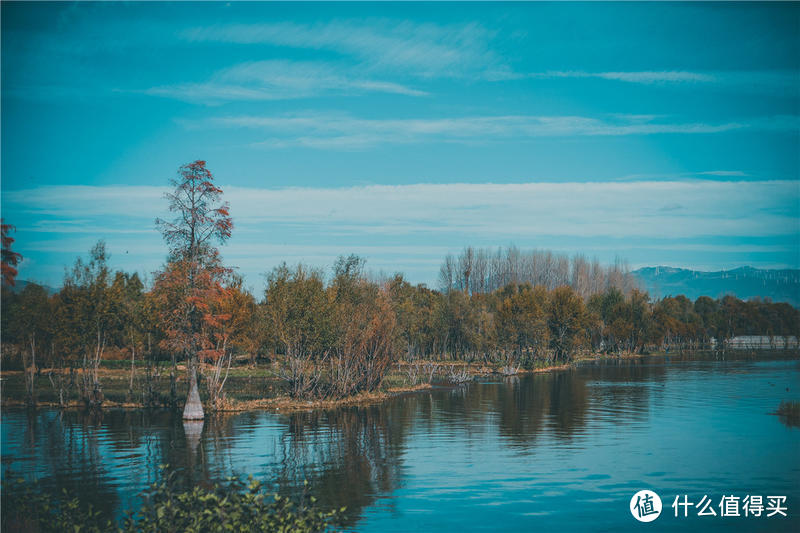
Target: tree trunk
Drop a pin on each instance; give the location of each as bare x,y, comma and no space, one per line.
194,408
173,392
30,373
130,385
96,399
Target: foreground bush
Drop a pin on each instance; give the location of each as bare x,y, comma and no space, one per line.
235,506
26,508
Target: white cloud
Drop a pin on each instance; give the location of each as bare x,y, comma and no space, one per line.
279,80
745,81
72,200
610,209
410,227
723,173
585,209
646,77
343,131
426,50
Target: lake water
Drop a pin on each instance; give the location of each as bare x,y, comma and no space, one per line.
563,450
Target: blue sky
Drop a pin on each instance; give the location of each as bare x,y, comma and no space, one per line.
666,134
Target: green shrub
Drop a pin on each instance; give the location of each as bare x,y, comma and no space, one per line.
26,508
235,506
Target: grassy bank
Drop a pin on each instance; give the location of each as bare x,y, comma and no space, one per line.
247,388
257,387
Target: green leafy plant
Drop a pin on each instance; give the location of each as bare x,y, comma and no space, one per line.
234,506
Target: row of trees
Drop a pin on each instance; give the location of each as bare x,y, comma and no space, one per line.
338,335
334,336
483,270
521,323
336,340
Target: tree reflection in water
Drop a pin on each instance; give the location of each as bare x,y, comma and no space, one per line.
350,456
63,452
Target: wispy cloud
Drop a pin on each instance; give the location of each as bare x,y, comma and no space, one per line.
595,208
421,49
746,81
343,131
279,80
723,173
647,77
409,227
356,57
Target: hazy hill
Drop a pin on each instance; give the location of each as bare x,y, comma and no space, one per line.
744,282
21,283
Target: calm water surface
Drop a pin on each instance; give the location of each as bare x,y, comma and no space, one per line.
563,450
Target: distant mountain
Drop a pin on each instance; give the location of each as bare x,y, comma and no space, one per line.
744,283
21,283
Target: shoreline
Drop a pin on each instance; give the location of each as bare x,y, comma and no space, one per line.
285,404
